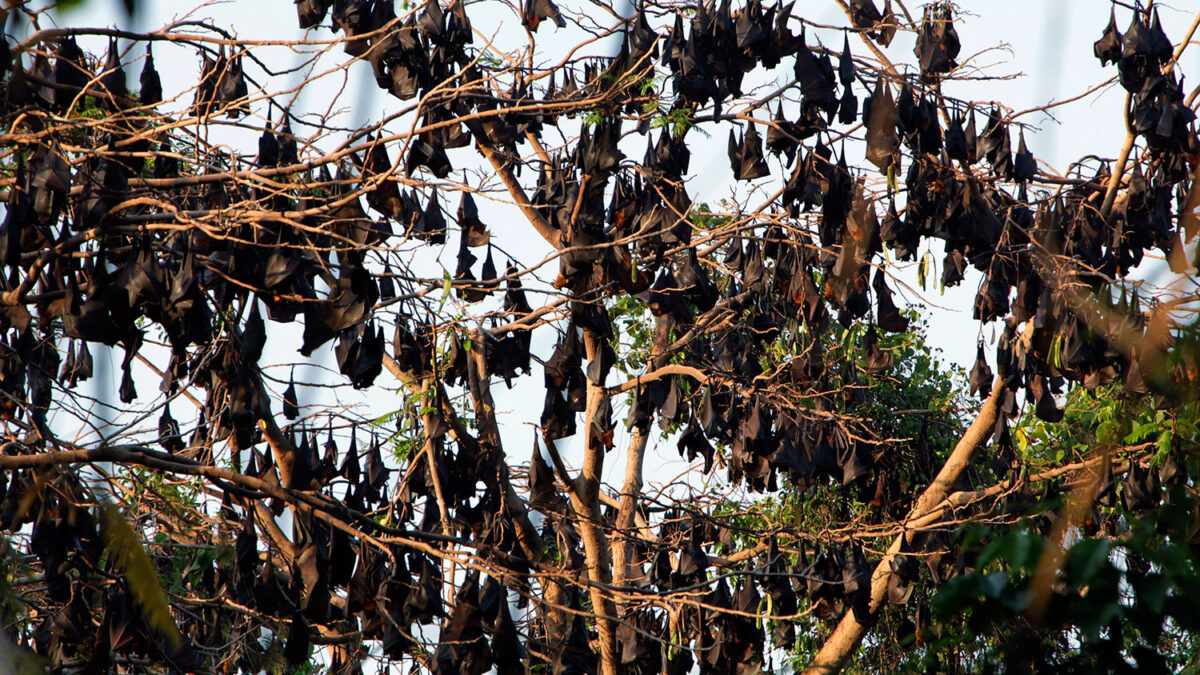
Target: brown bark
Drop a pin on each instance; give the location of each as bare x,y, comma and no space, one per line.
849,632
622,551
539,223
585,501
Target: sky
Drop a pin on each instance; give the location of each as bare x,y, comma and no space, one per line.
1042,49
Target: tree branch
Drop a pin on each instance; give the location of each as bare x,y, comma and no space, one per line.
849,632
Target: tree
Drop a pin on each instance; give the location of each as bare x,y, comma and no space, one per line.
282,522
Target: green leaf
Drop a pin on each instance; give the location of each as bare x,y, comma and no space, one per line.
1152,590
1056,350
447,285
20,660
131,560
956,595
1020,549
1163,447
1086,559
993,585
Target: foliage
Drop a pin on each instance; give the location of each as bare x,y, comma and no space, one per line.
1120,601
